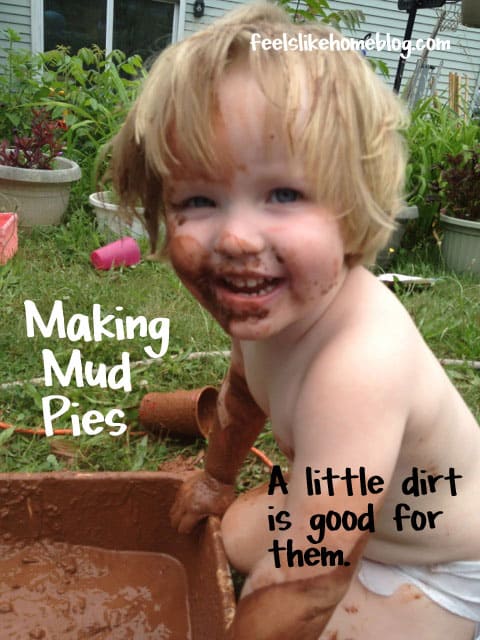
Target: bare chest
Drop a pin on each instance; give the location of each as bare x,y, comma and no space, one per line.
274,383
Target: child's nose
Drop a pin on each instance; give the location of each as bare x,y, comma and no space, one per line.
239,237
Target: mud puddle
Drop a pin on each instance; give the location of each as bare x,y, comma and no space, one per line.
58,591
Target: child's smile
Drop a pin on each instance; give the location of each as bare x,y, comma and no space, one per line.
252,244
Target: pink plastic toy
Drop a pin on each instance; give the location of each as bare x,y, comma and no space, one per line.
121,252
8,236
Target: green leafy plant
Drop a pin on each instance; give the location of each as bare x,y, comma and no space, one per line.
458,186
89,90
19,84
38,148
93,92
435,133
320,10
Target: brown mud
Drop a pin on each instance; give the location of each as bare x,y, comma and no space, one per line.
93,555
54,590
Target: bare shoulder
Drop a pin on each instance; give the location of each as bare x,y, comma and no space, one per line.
372,335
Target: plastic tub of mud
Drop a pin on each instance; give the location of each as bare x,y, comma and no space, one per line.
94,556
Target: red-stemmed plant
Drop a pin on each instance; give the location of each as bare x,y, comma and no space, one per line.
37,149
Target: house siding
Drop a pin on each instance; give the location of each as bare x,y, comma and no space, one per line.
383,16
214,9
15,14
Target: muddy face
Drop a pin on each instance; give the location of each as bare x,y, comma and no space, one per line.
193,265
253,246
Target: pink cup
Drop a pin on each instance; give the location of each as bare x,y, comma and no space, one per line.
121,252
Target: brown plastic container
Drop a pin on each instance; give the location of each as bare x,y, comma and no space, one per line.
122,511
188,413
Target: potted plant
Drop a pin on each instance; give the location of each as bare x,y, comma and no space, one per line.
458,191
109,220
33,172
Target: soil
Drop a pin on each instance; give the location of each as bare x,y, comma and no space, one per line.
58,591
182,465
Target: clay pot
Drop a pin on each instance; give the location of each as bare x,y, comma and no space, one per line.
188,413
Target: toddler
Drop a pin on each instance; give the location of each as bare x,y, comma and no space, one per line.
279,173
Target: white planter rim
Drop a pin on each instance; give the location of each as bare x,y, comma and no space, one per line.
103,200
407,213
460,222
64,170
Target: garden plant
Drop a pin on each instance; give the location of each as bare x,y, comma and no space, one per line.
436,133
91,92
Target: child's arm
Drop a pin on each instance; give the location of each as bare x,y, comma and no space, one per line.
343,419
238,422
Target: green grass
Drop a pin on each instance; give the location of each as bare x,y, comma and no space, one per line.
53,264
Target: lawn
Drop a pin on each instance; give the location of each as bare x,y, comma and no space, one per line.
53,264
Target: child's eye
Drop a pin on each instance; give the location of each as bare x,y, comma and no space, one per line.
284,194
197,202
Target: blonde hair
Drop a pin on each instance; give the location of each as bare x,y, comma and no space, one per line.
349,137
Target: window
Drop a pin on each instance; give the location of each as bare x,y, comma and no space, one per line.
134,26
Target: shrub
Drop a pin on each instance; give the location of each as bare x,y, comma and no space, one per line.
90,91
435,133
37,148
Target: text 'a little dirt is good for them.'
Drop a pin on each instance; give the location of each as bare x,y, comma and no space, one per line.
295,553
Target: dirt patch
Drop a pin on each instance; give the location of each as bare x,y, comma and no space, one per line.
183,464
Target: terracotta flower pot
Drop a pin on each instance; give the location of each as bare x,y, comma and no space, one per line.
188,413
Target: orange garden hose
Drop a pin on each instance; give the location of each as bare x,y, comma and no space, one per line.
68,432
56,432
264,458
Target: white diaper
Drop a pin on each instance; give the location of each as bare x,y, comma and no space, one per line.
455,586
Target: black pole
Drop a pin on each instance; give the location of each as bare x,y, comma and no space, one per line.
412,13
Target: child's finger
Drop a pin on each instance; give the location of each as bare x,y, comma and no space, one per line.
188,522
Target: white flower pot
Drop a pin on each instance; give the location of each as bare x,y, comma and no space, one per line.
41,195
108,220
461,244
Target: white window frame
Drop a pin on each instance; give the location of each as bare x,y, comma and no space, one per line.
37,30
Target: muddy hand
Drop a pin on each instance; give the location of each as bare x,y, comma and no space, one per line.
198,497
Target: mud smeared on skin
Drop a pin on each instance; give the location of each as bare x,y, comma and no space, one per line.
351,609
239,420
237,246
59,591
192,263
180,219
296,609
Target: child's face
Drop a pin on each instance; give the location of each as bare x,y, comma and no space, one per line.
252,245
